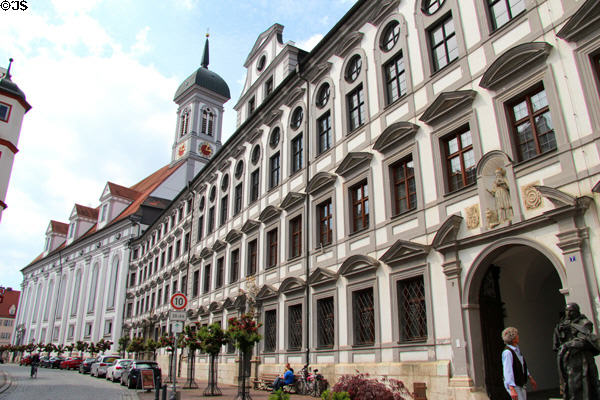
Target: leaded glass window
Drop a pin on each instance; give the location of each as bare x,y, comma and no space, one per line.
412,309
270,330
325,323
363,317
295,327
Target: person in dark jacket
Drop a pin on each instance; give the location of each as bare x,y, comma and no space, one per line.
514,366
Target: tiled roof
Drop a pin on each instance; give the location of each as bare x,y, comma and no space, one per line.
86,212
11,297
59,227
122,191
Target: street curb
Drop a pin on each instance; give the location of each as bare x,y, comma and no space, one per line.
7,382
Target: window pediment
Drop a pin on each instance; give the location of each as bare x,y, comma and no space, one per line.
557,197
585,20
320,181
321,276
352,161
273,117
219,245
318,71
395,135
358,264
516,59
203,310
404,250
294,95
254,136
266,292
240,301
269,213
291,284
352,39
215,306
250,226
224,166
228,304
292,199
233,236
382,10
195,260
192,314
448,232
206,253
447,103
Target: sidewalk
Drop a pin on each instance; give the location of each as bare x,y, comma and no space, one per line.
229,392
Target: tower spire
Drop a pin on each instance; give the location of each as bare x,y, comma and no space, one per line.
10,61
205,55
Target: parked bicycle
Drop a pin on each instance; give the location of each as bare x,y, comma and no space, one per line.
311,383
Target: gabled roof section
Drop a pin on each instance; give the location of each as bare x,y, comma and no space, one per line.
269,213
321,276
394,135
358,264
119,191
86,212
447,103
320,181
514,60
583,22
59,228
263,38
291,200
352,161
404,250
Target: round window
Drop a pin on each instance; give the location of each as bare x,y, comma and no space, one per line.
431,6
353,69
213,193
297,116
239,169
225,182
260,65
255,154
323,95
201,205
390,36
275,136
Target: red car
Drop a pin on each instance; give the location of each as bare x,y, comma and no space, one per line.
71,363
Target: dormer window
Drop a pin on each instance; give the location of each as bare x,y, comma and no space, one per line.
71,230
4,111
185,120
103,213
208,122
47,246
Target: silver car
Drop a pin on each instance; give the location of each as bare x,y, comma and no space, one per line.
102,362
114,371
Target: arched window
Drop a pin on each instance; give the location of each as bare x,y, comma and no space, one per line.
61,297
48,302
208,121
112,289
75,302
185,121
93,284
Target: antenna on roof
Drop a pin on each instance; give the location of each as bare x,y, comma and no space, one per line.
10,61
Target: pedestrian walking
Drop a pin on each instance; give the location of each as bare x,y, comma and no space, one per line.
514,366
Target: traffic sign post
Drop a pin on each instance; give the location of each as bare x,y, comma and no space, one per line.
177,318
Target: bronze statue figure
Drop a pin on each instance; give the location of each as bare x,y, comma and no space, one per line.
576,347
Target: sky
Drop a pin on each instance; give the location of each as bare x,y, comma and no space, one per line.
100,76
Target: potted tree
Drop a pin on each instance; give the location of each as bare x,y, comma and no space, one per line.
123,343
136,346
192,342
212,338
243,333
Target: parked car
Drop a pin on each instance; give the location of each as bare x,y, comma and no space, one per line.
25,360
98,368
114,371
45,362
55,361
86,365
71,363
131,376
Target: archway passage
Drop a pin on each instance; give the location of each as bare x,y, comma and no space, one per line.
519,287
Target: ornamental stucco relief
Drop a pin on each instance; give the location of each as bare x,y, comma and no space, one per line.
472,219
532,198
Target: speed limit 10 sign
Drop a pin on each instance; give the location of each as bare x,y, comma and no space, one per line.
178,301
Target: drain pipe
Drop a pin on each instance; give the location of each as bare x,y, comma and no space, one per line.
306,214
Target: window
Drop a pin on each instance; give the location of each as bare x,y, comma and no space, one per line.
166,298
272,248
88,330
71,229
460,159
295,236
225,182
129,313
353,69
297,153
195,283
184,124
224,210
93,284
71,331
324,130
325,222
251,105
359,196
270,330
269,86
363,317
404,191
323,95
254,188
297,117
502,11
211,220
113,284
4,111
390,36
596,67
274,138
200,226
431,6
107,327
177,248
103,212
395,79
411,307
255,157
169,254
220,272
356,108
442,40
295,327
262,61
325,323
252,257
208,122
213,194
206,287
532,124
75,302
274,169
237,206
234,266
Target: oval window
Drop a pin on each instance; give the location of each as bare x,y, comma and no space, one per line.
323,95
354,68
390,36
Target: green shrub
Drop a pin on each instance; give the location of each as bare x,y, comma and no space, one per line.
329,395
279,395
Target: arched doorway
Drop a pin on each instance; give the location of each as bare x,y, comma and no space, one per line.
515,285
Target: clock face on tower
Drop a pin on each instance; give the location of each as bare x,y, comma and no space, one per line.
205,149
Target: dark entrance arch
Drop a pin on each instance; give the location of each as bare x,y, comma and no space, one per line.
514,283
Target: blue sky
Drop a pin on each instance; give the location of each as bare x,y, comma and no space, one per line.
101,75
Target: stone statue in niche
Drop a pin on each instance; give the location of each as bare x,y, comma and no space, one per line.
501,192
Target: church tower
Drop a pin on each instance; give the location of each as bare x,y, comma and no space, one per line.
199,116
13,107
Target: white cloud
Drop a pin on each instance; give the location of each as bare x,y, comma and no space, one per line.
141,45
311,42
